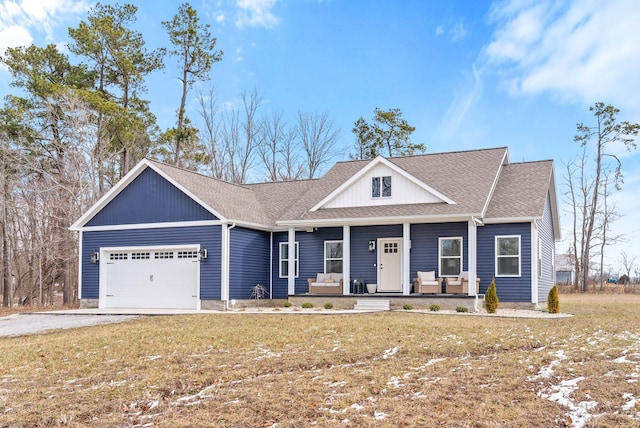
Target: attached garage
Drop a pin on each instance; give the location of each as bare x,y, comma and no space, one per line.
139,277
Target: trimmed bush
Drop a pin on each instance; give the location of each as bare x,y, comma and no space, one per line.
328,305
307,305
491,300
553,302
462,309
434,308
287,304
407,307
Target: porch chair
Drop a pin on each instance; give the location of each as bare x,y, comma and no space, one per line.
426,282
326,283
460,284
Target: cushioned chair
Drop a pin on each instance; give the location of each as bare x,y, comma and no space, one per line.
326,283
426,282
460,284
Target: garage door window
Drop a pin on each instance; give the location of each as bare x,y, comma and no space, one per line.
187,254
118,256
163,255
140,256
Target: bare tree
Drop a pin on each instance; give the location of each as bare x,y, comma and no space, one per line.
606,217
318,138
628,263
279,149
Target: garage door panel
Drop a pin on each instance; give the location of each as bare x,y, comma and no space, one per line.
155,279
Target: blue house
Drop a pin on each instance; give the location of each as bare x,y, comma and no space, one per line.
165,237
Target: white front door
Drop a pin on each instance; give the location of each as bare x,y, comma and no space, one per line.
390,265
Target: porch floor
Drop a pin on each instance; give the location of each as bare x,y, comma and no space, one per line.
396,300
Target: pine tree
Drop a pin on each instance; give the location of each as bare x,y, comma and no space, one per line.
491,300
553,303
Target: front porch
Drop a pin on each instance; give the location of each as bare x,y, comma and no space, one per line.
396,301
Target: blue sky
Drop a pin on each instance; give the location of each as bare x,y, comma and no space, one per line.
466,74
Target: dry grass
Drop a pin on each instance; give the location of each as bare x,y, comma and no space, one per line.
286,370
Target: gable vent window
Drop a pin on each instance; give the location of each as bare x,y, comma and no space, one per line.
381,187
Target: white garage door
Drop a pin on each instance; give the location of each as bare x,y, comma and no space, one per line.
160,278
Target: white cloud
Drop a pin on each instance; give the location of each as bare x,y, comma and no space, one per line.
13,36
584,51
439,30
463,100
455,33
256,13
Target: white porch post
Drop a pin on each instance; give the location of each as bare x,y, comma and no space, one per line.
472,238
79,266
291,262
534,262
224,268
346,259
406,259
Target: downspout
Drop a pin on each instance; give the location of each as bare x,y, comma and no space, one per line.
227,261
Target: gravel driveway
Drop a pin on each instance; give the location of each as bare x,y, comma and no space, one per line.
21,324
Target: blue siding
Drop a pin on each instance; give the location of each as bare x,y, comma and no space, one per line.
249,262
424,245
509,289
547,237
207,236
149,198
311,257
363,261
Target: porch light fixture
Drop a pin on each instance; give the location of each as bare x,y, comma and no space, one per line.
372,245
202,253
95,257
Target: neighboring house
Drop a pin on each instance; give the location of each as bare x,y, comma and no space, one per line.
565,269
170,238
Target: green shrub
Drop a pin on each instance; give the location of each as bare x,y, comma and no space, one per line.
287,304
328,305
491,300
553,302
462,309
434,308
307,305
407,307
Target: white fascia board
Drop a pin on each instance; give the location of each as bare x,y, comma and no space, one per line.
136,226
123,183
373,221
505,161
375,162
553,198
503,220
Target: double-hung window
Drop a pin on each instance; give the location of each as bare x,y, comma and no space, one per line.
332,256
284,259
508,255
450,255
381,187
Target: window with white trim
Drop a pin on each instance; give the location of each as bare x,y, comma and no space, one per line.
333,256
450,256
284,259
381,187
508,255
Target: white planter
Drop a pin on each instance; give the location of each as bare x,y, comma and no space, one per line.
371,288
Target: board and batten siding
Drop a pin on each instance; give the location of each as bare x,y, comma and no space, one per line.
547,237
403,191
424,245
207,236
510,289
248,262
311,257
363,261
150,198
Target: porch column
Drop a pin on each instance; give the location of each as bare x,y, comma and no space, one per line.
472,238
406,259
291,262
346,259
224,263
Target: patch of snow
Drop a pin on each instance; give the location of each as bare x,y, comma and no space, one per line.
630,402
390,352
356,406
378,416
395,382
561,394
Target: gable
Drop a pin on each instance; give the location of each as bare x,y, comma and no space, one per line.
149,198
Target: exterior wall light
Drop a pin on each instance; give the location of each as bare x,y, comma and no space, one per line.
202,253
95,257
372,245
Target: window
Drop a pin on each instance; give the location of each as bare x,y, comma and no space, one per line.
163,255
508,255
332,256
118,256
450,254
381,187
187,254
140,256
284,259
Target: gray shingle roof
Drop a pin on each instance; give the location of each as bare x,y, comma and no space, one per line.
466,177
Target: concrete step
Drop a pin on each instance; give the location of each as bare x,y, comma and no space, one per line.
371,305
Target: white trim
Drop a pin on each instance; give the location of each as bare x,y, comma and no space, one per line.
379,251
495,256
151,225
346,259
296,259
271,265
377,161
124,182
472,254
79,265
291,279
440,238
376,221
406,259
505,220
535,249
102,282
